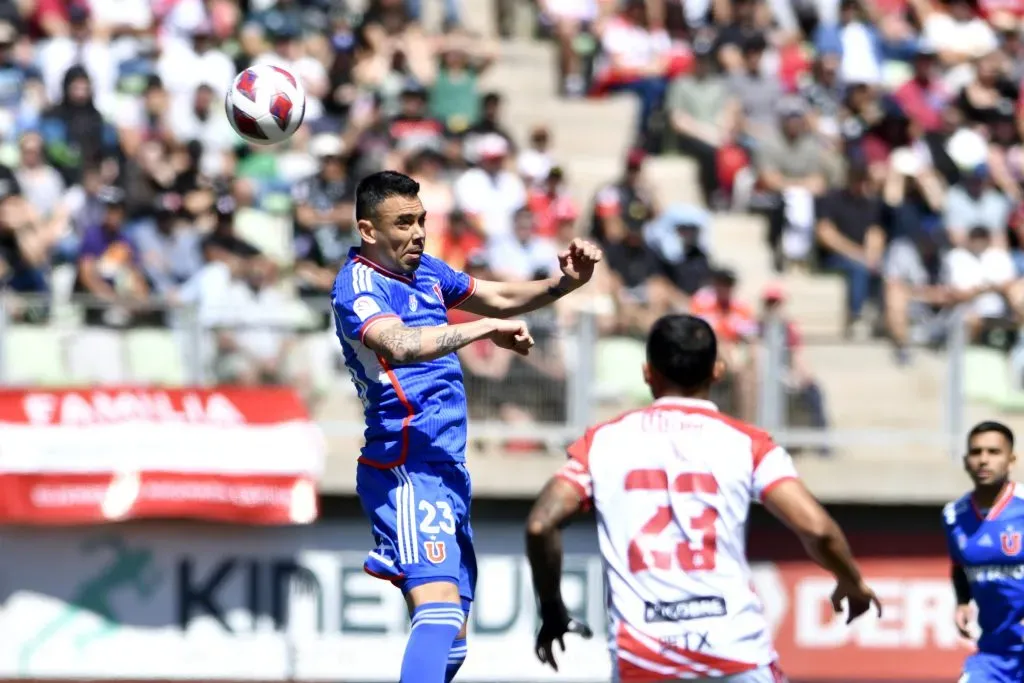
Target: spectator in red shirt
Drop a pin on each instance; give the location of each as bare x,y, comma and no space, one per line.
551,204
459,241
924,96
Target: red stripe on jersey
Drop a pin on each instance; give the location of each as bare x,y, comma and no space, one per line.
373,320
768,489
679,663
469,292
382,270
405,422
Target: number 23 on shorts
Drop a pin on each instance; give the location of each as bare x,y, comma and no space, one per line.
437,518
645,554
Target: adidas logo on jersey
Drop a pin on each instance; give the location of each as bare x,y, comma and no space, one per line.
985,541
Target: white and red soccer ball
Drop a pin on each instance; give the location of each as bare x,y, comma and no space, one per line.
265,104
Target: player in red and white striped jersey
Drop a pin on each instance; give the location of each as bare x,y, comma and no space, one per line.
672,486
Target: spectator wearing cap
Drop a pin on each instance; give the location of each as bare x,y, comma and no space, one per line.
523,255
925,95
735,325
792,169
982,276
624,206
916,296
800,381
703,116
851,240
490,194
758,94
689,268
169,247
412,129
975,202
74,130
109,270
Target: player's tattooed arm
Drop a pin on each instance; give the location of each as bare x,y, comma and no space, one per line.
557,503
399,344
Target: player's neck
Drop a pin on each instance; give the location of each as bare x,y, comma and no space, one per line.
986,496
698,396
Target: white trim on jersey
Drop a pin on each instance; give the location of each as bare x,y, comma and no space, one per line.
362,278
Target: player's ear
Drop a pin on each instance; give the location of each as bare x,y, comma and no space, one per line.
718,372
366,231
647,375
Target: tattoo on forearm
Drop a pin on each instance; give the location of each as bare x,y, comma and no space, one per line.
449,341
402,343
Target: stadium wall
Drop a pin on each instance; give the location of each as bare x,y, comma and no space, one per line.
146,601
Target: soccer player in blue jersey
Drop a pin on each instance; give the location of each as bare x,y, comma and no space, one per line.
983,529
391,304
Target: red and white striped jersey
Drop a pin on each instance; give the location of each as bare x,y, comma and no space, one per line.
672,486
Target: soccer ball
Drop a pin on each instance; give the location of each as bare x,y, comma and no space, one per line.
265,104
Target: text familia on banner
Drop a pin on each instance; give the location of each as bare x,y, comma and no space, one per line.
250,456
188,601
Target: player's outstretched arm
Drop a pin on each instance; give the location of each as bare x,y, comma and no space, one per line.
557,503
825,542
509,299
399,345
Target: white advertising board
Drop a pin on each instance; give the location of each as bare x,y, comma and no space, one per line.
192,601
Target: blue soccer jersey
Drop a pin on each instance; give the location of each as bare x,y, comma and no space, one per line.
414,412
987,545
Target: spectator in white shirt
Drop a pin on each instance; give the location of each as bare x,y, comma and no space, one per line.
983,277
80,47
489,194
522,255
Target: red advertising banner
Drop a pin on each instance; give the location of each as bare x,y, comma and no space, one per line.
249,456
914,640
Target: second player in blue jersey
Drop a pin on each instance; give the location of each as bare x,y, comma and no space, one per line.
984,531
391,304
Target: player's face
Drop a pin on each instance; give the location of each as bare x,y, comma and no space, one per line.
399,233
988,459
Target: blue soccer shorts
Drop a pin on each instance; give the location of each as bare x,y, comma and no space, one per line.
420,519
983,667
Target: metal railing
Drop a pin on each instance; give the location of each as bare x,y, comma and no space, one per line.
551,399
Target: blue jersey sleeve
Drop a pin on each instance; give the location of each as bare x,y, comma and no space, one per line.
456,286
359,302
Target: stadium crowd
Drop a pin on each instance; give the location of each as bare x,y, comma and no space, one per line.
880,139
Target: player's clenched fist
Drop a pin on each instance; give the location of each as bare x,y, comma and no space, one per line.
577,261
511,334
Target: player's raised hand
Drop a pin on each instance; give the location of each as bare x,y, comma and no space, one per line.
577,261
859,599
555,623
964,618
512,335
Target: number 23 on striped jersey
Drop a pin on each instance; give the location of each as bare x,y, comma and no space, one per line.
646,551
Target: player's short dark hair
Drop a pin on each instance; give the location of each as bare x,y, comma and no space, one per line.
375,188
990,426
683,349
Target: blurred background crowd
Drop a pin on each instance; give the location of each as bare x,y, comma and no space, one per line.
878,139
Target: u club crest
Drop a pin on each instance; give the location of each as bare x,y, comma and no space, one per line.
1009,542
